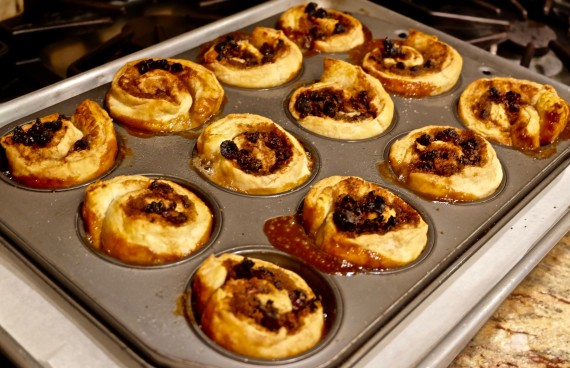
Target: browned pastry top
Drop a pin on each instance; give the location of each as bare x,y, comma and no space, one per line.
57,151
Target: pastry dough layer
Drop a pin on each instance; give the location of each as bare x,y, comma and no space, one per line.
363,223
514,112
347,103
59,152
252,154
256,308
164,95
319,29
142,221
447,163
419,66
266,58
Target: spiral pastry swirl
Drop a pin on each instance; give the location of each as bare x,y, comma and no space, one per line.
514,112
164,95
419,66
322,30
363,223
265,58
446,163
142,221
347,103
59,152
256,308
252,154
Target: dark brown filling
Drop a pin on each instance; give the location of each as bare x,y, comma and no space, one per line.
511,100
331,103
310,29
228,49
393,50
446,161
39,134
245,158
161,64
265,314
168,205
362,216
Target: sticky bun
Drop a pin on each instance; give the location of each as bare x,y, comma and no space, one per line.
265,58
252,154
256,308
514,112
143,221
323,30
419,66
446,163
164,95
346,103
56,151
363,223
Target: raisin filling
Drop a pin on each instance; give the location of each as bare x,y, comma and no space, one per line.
229,49
332,103
446,161
362,216
166,205
511,100
258,142
161,64
39,134
266,314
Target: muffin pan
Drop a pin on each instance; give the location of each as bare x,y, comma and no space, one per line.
145,305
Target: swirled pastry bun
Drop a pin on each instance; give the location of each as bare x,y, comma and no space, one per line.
514,112
318,29
143,221
256,308
419,66
363,223
347,103
446,163
58,152
266,58
164,95
252,154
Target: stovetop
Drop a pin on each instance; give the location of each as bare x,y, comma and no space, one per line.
51,41
72,36
532,33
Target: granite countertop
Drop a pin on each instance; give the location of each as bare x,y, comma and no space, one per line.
531,328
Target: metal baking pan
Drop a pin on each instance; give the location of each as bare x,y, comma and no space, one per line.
143,305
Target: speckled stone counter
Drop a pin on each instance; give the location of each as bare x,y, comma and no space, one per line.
532,326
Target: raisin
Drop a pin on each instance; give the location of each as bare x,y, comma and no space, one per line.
252,136
447,135
81,144
424,140
339,28
229,149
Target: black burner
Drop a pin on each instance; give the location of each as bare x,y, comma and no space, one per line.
534,33
55,39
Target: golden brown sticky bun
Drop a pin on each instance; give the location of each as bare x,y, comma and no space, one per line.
514,112
266,58
164,95
446,163
363,223
256,308
143,221
347,103
419,66
59,152
252,154
318,29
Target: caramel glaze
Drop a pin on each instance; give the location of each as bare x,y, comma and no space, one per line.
287,234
